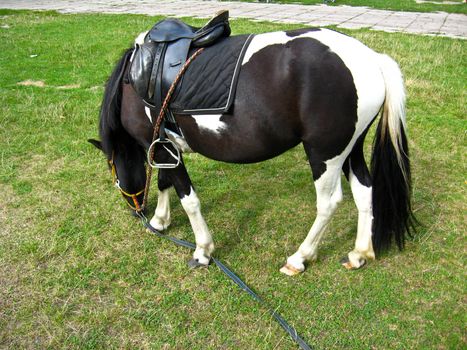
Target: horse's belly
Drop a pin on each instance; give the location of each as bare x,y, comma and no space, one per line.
232,139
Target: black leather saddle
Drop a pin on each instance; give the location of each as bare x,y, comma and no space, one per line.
156,63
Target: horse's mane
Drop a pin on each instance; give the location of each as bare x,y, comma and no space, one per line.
110,126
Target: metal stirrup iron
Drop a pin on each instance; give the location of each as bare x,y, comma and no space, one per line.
176,156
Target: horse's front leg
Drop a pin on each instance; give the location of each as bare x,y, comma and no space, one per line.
161,219
204,242
180,179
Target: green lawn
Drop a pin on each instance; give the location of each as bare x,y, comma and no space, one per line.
456,6
76,271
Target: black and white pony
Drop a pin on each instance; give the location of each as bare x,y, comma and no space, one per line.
311,86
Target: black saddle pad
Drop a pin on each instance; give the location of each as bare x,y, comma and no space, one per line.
209,83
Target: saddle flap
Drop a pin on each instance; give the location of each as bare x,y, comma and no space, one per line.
141,67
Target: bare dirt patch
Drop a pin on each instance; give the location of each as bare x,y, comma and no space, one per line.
37,83
40,83
66,87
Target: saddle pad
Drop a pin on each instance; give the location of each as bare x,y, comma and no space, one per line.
209,83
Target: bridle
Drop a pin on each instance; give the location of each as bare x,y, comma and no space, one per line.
133,196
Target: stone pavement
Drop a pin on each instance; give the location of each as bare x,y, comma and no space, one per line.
439,23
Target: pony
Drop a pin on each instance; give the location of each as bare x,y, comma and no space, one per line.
312,86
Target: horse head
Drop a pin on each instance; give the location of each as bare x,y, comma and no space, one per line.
126,165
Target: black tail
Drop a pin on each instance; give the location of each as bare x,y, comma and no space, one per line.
110,109
392,211
390,165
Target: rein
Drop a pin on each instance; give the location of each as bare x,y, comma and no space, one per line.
237,280
139,210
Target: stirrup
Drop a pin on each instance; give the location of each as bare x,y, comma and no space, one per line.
176,156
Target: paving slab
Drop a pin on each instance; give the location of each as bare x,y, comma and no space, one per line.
437,24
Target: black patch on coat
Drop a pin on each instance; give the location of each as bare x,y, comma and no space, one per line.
309,79
356,161
298,32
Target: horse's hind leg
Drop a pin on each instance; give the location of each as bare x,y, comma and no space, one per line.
328,195
359,177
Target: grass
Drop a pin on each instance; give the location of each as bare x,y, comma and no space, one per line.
77,272
395,5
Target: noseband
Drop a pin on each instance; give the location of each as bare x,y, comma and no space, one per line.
133,196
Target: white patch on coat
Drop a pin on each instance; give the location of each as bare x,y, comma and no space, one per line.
210,122
138,41
148,113
261,41
363,64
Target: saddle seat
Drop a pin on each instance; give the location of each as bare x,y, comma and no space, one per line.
156,62
173,29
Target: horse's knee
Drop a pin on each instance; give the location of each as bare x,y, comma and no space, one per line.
191,203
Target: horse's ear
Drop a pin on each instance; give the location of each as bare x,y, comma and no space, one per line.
96,143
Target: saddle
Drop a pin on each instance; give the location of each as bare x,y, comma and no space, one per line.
156,62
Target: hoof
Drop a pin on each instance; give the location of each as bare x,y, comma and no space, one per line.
159,227
348,265
159,224
194,264
290,270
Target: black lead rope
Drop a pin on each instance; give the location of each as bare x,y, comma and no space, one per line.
289,329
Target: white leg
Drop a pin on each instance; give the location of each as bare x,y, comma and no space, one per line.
161,219
363,245
328,195
204,243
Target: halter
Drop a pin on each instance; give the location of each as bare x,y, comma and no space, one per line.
133,196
